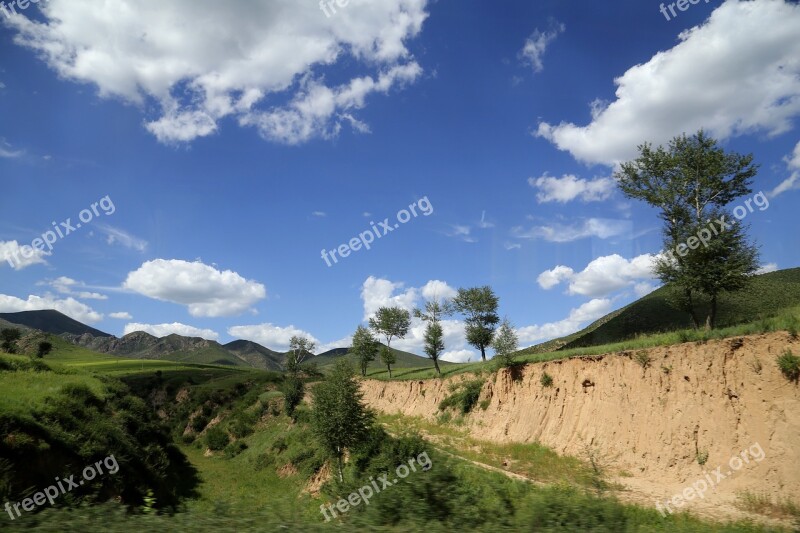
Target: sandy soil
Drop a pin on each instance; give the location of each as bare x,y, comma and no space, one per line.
725,401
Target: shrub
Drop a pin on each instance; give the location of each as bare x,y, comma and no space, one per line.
789,365
240,428
702,457
464,397
293,391
546,380
235,448
643,358
216,438
198,423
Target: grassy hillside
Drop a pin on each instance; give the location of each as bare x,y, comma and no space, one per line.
767,296
404,360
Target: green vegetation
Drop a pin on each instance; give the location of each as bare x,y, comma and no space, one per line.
10,337
546,380
643,358
364,348
505,344
464,396
479,307
434,333
789,365
764,505
391,322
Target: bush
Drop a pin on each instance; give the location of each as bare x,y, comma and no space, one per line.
293,391
546,380
464,397
789,365
216,439
642,358
240,428
235,448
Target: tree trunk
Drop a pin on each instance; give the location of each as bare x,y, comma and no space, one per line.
712,314
691,309
483,354
390,370
341,476
436,364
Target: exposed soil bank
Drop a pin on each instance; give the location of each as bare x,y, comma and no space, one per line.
712,400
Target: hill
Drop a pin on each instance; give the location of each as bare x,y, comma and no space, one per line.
404,359
766,296
51,321
255,354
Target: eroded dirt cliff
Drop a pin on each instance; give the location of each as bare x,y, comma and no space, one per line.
711,400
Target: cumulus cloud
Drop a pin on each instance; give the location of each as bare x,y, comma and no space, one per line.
728,76
121,315
273,337
767,268
68,306
602,228
587,312
536,45
206,291
603,275
378,292
201,61
162,330
569,187
11,254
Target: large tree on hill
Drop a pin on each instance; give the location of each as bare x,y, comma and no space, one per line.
479,307
505,343
339,419
364,347
300,348
691,182
391,322
434,311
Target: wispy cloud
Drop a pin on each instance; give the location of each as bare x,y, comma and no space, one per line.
536,45
591,227
485,224
118,236
7,151
461,232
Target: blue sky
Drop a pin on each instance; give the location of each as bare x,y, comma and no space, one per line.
238,140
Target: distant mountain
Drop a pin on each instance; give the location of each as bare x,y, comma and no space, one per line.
766,295
51,321
404,359
255,354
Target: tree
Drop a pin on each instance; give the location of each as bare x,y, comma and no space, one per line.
10,337
390,322
364,347
388,358
691,182
505,343
299,349
479,306
339,419
293,391
434,333
44,349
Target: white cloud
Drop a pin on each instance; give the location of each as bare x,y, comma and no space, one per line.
767,268
7,151
793,181
461,232
122,237
550,278
438,289
271,336
162,330
602,228
460,356
65,285
68,306
11,254
319,214
587,312
644,288
485,224
122,315
206,291
202,61
728,76
536,45
512,246
569,187
377,293
603,275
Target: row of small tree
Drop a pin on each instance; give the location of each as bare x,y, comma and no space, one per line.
478,305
